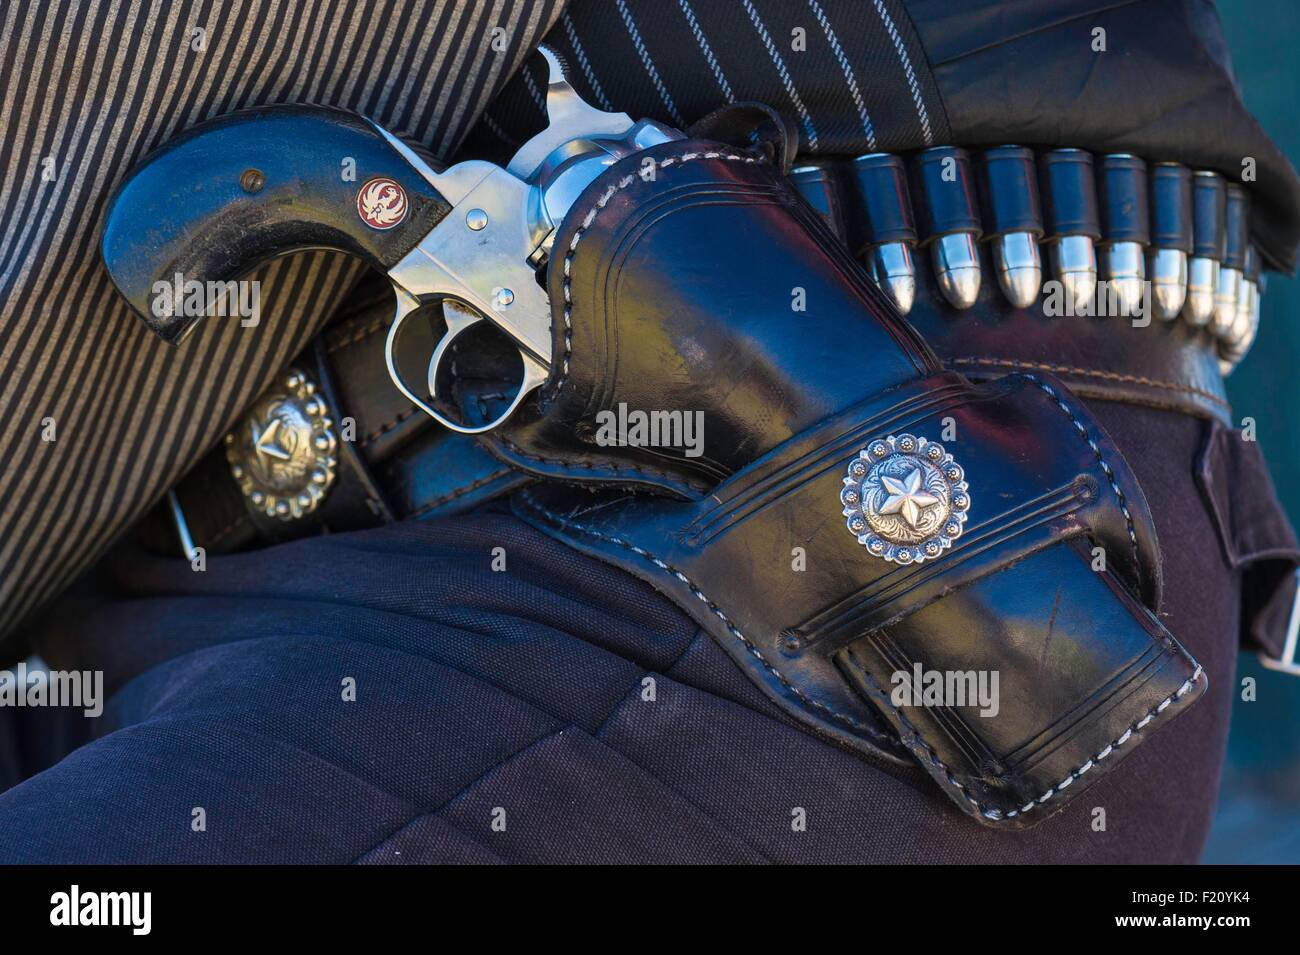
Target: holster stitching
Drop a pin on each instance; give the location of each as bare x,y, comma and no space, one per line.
611,467
357,335
718,612
996,814
460,492
989,812
622,184
388,426
1110,475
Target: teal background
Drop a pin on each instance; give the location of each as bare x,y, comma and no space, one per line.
1258,817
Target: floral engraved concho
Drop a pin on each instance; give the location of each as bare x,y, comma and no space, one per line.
905,499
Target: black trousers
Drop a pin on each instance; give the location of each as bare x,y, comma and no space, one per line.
557,710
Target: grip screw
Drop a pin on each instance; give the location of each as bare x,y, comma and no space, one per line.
252,181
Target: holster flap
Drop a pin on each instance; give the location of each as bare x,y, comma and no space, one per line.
1033,609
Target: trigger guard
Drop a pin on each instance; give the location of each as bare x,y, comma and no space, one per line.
535,373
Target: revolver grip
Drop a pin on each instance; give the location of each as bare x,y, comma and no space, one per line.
236,191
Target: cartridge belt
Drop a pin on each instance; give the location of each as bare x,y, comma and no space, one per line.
1019,245
1130,280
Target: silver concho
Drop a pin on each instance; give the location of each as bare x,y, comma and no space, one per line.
283,454
905,498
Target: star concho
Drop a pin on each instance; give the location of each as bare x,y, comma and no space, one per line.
905,498
283,454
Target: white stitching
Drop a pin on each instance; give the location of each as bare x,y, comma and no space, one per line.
1110,475
931,756
996,815
586,224
1182,691
717,612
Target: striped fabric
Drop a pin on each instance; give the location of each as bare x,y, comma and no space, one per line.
851,76
97,417
100,418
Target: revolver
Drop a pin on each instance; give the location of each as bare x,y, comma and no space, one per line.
226,196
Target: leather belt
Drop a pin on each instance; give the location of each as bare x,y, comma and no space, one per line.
391,462
394,462
1167,365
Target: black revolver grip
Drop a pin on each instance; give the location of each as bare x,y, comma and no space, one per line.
229,194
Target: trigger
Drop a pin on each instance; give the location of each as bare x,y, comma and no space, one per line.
458,318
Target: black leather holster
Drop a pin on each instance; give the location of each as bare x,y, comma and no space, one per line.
691,278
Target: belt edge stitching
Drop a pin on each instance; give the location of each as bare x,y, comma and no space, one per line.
1092,373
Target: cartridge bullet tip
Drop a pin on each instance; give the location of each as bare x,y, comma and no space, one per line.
1080,288
1199,307
960,286
902,289
957,267
1126,292
1168,299
1021,285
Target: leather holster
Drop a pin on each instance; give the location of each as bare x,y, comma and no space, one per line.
691,278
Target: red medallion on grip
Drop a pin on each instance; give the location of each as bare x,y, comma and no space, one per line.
382,203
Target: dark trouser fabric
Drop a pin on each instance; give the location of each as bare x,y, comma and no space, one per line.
505,715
